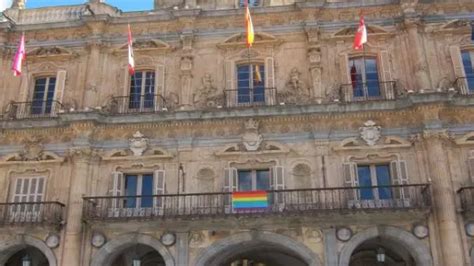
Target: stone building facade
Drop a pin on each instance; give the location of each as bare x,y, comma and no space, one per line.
366,157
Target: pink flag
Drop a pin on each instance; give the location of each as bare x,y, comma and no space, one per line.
131,60
20,55
361,35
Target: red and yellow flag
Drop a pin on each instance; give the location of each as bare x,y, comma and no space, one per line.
249,24
131,59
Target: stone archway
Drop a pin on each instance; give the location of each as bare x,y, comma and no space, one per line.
9,247
215,251
417,249
113,248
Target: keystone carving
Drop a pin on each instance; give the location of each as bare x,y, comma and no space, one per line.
370,132
138,144
251,138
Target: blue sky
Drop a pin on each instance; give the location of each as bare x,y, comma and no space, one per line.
125,5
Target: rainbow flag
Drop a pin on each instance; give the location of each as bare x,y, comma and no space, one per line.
249,201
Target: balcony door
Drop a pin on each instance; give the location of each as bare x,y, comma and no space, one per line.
374,175
142,91
250,84
250,180
27,192
43,96
467,60
140,190
364,77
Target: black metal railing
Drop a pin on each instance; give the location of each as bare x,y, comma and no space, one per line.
298,201
137,103
34,109
465,85
369,91
48,212
467,198
244,97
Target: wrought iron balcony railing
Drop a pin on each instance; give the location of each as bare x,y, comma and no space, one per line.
291,201
245,97
368,91
19,213
465,85
136,103
34,109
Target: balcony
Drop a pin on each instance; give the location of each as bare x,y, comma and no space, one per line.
248,97
369,91
465,85
288,202
34,109
148,103
35,213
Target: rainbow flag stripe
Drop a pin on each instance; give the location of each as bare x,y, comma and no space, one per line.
249,201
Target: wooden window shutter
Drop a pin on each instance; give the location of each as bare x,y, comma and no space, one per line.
277,178
345,77
116,189
386,75
399,176
160,77
230,93
458,67
470,161
269,72
159,181
60,85
230,181
351,179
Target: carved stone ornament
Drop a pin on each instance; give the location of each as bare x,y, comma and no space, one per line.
344,234
33,150
251,139
370,132
295,91
207,95
469,229
421,231
98,240
52,240
138,144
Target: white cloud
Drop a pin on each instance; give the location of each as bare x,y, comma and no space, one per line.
4,4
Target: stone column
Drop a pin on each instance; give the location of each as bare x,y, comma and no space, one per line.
94,70
416,52
81,159
330,247
444,197
182,248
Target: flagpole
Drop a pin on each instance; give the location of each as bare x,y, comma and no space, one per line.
248,57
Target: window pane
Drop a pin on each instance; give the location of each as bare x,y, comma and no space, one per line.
468,69
243,84
149,101
245,180
258,83
372,77
50,95
147,190
38,96
130,190
383,179
357,81
263,180
365,181
135,90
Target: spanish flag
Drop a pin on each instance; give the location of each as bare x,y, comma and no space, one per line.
258,76
249,24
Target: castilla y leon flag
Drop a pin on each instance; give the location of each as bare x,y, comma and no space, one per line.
249,24
131,60
20,55
361,35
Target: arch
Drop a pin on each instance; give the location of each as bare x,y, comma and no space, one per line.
9,247
417,249
109,251
220,246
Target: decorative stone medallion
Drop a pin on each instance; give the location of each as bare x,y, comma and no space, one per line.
98,240
370,132
344,234
421,231
251,138
138,144
168,239
52,241
469,229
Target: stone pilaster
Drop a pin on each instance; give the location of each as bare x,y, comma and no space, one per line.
81,159
315,68
182,248
443,196
93,61
186,66
330,247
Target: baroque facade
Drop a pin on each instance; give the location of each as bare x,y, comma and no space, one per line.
366,157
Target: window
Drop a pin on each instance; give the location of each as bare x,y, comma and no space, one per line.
467,60
250,83
249,180
364,77
252,3
43,96
142,90
138,185
374,175
27,190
